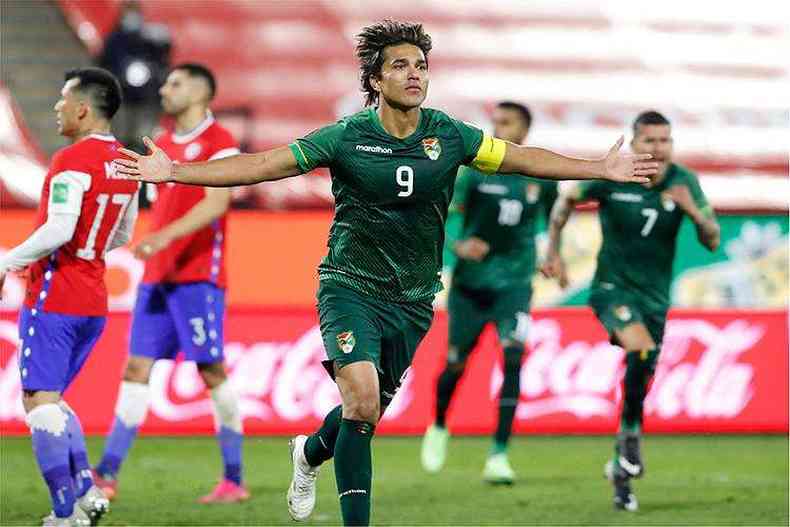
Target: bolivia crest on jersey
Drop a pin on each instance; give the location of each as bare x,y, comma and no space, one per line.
432,148
533,193
667,202
346,341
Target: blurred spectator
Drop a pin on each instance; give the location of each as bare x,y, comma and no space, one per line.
138,53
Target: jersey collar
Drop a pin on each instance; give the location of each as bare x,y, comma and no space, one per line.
374,118
190,136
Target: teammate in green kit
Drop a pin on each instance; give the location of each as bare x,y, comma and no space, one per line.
393,166
630,290
491,228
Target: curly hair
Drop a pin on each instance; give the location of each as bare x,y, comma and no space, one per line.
371,42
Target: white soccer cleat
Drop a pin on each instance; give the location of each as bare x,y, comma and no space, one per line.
95,504
78,518
434,448
498,470
301,492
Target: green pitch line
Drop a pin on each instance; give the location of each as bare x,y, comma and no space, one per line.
703,480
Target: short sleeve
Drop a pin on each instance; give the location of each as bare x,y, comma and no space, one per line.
698,196
590,190
66,190
472,138
223,145
318,148
548,195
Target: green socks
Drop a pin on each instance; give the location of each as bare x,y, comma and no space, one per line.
639,368
320,446
354,470
508,396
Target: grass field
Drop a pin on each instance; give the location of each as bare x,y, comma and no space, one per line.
690,481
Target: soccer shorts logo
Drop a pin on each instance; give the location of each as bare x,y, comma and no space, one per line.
432,148
346,341
623,313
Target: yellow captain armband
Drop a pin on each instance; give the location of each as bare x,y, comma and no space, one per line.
490,154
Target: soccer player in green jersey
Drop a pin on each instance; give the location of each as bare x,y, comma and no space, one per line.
393,166
630,289
491,228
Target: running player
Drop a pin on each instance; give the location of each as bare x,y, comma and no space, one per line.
393,167
630,290
180,304
84,212
491,228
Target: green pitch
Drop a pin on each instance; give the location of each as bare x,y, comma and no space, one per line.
690,481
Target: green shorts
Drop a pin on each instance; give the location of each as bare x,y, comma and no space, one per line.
470,310
616,309
356,327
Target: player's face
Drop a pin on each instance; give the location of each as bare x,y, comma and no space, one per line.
654,139
509,125
179,92
404,76
70,109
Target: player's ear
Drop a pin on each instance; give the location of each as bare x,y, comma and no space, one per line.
83,109
375,83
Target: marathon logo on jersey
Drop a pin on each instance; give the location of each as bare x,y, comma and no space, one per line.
60,193
374,149
432,148
346,341
627,197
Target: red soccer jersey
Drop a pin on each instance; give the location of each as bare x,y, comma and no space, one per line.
71,280
200,256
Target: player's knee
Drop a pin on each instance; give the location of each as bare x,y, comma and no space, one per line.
212,374
47,417
138,370
34,398
363,407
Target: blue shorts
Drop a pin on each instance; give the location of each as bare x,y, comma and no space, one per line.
54,347
172,317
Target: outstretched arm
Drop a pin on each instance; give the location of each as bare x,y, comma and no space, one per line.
241,169
542,163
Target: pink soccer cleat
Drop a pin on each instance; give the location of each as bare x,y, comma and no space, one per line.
226,491
108,486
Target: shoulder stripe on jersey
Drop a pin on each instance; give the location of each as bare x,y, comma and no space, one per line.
102,137
81,178
225,152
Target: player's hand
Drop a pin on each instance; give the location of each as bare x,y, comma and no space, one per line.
554,267
150,245
156,167
628,168
472,248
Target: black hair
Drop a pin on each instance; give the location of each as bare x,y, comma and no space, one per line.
101,86
199,70
522,109
649,117
371,42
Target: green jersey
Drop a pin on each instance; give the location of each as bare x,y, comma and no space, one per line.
391,199
639,226
502,210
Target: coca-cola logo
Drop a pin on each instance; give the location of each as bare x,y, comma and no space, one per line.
699,373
